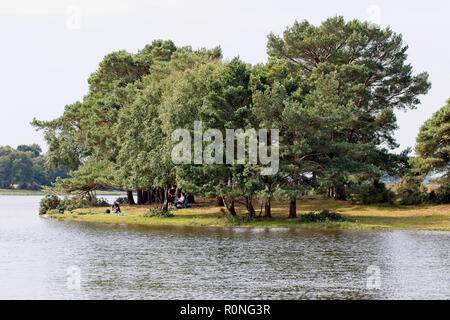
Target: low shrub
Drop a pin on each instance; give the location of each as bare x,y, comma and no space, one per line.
412,195
239,219
75,203
235,220
122,200
441,195
160,212
372,193
5,185
98,202
51,202
323,216
411,191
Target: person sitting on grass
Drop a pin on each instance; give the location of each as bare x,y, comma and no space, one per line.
115,207
179,203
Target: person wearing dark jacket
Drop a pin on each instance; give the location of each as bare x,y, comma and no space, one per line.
171,194
115,207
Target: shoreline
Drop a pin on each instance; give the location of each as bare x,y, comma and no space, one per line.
20,192
204,215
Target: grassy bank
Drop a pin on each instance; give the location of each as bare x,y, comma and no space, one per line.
204,213
20,192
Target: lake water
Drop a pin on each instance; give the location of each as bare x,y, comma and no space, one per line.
125,262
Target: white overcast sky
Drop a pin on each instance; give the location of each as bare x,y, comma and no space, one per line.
47,52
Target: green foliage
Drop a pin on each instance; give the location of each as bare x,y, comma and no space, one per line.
87,132
433,146
323,216
94,175
331,90
371,192
51,202
235,220
29,186
122,200
341,83
35,149
411,195
411,191
366,63
441,195
25,167
160,212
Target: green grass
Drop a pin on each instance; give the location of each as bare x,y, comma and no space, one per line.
8,192
204,214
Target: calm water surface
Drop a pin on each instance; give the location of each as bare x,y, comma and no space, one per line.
124,262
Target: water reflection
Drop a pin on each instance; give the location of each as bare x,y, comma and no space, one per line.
137,262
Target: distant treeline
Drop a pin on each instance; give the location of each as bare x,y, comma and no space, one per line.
24,168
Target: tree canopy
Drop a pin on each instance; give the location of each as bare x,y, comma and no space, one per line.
433,145
330,90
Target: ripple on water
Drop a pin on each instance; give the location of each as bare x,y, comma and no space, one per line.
127,262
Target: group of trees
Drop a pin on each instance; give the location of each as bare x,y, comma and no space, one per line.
24,168
433,159
433,146
331,91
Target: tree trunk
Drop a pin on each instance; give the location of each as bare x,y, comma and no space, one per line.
261,209
139,196
153,196
250,209
130,197
267,213
340,192
150,196
293,203
230,207
165,200
191,198
220,202
293,208
377,184
330,192
90,197
145,197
